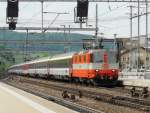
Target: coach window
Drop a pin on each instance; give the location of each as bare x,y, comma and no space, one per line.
30,66
42,65
45,64
39,65
62,63
55,63
51,64
34,65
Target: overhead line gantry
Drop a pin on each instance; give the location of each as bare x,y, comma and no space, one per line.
52,29
76,1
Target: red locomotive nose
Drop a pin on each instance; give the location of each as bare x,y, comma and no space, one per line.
105,63
107,74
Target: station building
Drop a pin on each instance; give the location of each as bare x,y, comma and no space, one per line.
133,57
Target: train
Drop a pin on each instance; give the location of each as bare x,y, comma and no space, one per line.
96,66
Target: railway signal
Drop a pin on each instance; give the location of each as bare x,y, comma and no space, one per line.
81,11
12,25
82,8
12,13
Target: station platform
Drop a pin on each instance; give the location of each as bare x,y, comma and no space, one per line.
135,82
13,100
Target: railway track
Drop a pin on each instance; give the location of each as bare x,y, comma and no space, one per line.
66,103
139,104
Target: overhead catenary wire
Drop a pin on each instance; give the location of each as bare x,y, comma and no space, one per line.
103,19
71,20
112,10
36,14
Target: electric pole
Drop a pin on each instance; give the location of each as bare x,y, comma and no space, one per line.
146,39
27,44
96,24
138,48
146,36
115,38
42,15
131,35
64,38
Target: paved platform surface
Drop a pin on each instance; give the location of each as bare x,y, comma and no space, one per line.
136,82
13,100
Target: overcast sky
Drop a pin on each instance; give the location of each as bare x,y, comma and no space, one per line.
113,17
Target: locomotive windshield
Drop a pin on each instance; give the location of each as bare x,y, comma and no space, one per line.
112,57
98,56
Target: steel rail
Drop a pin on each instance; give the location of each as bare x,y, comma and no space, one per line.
117,100
66,103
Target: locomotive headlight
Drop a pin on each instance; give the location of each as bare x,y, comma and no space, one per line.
97,70
113,70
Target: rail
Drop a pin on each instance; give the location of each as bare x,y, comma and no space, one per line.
140,104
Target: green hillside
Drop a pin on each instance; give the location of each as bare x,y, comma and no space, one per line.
9,35
12,53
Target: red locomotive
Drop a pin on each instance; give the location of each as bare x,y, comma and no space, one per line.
91,66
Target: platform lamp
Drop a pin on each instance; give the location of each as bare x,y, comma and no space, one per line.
12,13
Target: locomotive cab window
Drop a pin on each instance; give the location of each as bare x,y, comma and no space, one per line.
112,59
98,57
